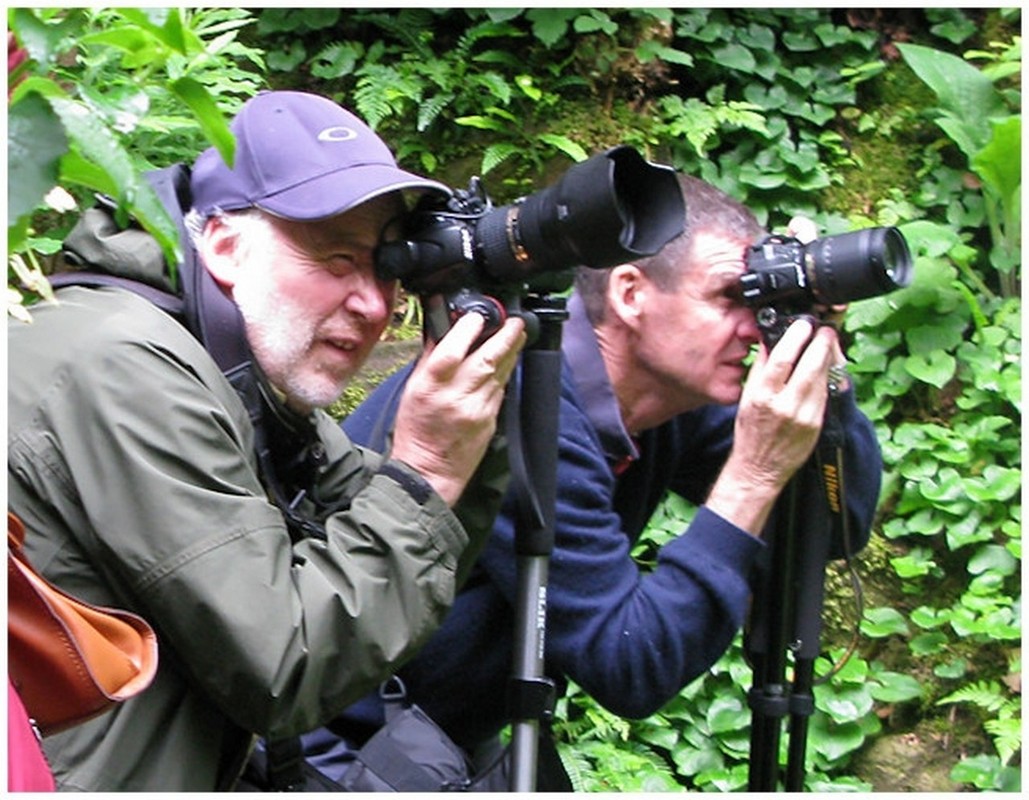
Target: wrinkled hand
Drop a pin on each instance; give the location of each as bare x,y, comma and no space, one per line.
778,424
448,412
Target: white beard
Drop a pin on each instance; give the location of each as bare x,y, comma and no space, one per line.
280,333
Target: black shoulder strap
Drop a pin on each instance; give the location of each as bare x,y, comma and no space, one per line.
285,457
166,301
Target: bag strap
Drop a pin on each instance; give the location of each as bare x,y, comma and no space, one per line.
285,764
404,774
393,693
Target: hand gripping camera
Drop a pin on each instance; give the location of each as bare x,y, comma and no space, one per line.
461,254
785,279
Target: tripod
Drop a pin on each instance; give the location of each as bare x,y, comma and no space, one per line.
534,476
787,610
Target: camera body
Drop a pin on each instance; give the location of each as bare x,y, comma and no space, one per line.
787,279
460,253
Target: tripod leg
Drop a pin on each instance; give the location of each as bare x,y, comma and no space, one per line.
769,639
802,706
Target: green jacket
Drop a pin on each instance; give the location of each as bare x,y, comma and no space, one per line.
130,460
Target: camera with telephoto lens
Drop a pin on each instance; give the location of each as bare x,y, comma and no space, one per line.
461,254
786,279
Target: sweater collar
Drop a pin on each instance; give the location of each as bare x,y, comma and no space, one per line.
596,394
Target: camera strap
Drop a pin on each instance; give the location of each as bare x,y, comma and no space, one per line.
286,446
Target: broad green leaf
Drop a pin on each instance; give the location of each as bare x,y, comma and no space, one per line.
926,617
735,57
844,705
483,123
691,761
999,164
212,121
952,669
44,42
115,174
963,90
35,143
565,145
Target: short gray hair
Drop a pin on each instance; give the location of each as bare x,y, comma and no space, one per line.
707,209
247,219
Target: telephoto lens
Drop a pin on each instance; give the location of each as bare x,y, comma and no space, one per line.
853,266
833,270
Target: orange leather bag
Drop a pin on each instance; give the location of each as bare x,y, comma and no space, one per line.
69,660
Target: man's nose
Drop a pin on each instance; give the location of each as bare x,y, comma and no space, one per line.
370,298
747,328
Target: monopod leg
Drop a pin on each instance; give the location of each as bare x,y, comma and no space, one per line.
534,473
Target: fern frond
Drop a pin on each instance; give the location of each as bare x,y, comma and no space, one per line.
1007,736
336,60
496,84
484,30
408,25
382,91
985,694
431,108
370,95
497,154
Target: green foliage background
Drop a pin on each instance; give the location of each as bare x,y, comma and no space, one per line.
910,117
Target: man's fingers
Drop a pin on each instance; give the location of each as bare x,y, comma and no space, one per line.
803,229
456,342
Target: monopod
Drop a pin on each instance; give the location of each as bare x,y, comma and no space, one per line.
532,425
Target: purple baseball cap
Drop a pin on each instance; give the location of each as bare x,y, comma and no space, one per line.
301,157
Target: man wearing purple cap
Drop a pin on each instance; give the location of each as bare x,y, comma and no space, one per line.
168,454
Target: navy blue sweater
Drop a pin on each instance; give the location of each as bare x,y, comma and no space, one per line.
631,639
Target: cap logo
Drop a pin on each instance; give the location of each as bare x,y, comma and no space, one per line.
337,134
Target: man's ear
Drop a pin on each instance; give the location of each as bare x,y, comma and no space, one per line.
626,293
220,251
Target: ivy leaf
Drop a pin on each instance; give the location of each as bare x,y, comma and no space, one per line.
895,687
943,336
927,644
734,57
834,741
952,669
997,484
934,368
550,24
926,617
880,622
993,558
727,714
845,705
